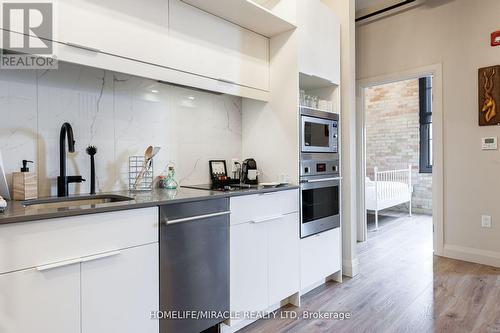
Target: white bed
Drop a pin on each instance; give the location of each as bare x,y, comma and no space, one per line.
388,189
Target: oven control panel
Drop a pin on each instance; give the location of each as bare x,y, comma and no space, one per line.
315,168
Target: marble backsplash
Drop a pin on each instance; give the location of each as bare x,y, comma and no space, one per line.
121,115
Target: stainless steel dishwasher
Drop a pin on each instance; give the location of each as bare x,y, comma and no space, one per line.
194,264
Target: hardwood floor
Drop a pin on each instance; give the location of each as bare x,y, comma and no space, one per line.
401,287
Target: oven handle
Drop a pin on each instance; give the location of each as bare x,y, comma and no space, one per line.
320,180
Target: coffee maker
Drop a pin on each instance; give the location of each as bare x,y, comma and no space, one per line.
249,172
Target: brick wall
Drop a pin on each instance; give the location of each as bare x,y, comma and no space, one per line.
392,136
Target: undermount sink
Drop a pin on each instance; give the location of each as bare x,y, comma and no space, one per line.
66,202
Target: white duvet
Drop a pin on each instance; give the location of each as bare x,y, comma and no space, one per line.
395,192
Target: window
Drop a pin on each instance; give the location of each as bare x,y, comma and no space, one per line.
425,96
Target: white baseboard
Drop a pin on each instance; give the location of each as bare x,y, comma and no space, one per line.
470,254
350,267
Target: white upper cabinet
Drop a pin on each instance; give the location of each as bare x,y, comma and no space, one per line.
319,40
207,45
132,29
244,14
165,40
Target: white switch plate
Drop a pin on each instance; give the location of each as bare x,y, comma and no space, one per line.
233,164
486,221
489,143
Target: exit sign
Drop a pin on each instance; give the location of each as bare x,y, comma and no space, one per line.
495,38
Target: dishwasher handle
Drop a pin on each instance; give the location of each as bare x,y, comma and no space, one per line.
195,218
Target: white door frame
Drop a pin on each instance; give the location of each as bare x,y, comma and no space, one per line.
437,132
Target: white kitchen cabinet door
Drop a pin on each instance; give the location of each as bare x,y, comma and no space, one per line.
284,269
249,267
41,301
127,28
261,206
320,257
207,45
319,40
120,290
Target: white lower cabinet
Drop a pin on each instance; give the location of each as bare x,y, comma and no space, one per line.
283,257
40,301
249,267
264,252
320,257
93,273
120,291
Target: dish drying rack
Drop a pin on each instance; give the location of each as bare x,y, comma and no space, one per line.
140,174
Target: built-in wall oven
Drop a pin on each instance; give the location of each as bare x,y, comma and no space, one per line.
320,179
320,202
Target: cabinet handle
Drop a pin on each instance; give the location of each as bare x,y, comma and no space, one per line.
59,264
76,261
268,193
100,256
267,219
321,180
226,81
83,47
194,218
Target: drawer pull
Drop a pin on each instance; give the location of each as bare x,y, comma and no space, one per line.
195,218
101,256
83,47
267,219
268,193
226,81
59,264
76,261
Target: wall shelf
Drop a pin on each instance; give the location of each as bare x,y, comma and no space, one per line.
245,13
315,109
309,82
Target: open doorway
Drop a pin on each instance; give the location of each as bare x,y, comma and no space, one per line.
436,153
398,155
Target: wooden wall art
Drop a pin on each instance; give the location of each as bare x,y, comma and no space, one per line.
489,96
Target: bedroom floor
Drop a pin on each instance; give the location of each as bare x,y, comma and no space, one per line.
402,288
388,217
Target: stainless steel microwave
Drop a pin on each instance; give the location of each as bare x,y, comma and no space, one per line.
319,131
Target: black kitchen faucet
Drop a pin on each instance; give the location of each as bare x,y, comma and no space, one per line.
63,181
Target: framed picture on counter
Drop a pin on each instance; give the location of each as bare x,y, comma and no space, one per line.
217,168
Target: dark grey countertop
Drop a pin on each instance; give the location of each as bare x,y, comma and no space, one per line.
16,212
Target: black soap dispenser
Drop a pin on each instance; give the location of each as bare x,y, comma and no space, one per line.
25,166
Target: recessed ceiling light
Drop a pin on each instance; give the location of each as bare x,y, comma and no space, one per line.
154,91
191,97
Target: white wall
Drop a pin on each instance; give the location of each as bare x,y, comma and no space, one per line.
455,33
345,10
121,116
